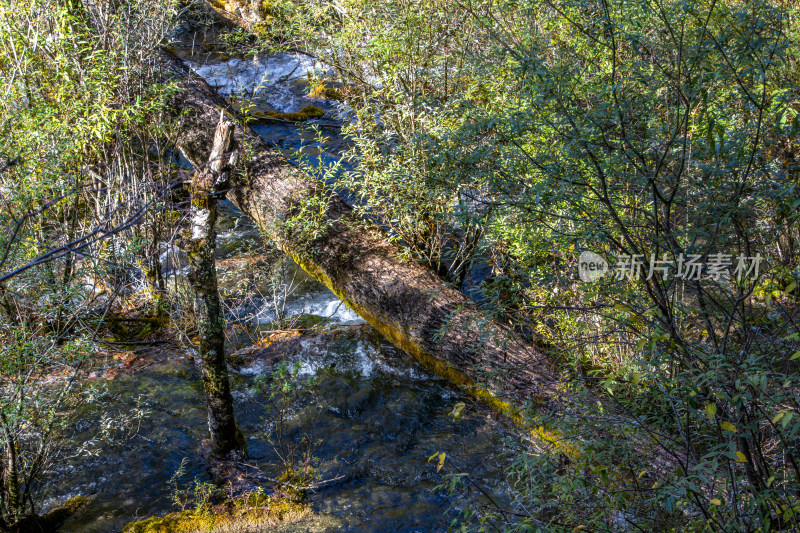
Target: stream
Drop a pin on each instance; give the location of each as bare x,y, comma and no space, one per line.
375,413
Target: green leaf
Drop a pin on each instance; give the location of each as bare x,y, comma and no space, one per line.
795,356
711,411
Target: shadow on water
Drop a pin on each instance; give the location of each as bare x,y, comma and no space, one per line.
378,416
130,477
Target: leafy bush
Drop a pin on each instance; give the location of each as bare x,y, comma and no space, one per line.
524,133
82,158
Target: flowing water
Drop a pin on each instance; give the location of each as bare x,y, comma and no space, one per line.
375,413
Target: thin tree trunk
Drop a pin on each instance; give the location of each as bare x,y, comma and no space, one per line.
205,187
12,477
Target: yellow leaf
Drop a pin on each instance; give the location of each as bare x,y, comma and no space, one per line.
778,417
740,457
711,411
441,461
715,501
457,410
579,528
727,426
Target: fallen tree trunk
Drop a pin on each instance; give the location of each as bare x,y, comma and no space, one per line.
403,300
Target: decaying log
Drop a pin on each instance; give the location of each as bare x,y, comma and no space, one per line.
407,303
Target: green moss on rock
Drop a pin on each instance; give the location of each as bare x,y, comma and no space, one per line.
289,480
75,504
51,520
256,509
307,113
320,91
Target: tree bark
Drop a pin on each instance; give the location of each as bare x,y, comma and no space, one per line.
407,303
205,188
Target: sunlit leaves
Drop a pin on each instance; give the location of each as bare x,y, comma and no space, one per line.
441,456
614,127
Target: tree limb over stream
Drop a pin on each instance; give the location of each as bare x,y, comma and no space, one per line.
407,303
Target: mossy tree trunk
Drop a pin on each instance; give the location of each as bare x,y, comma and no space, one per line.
205,189
403,300
9,476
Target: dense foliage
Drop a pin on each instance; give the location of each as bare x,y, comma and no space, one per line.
82,132
497,141
520,134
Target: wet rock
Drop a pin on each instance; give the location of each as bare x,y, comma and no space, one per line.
279,79
307,113
51,521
